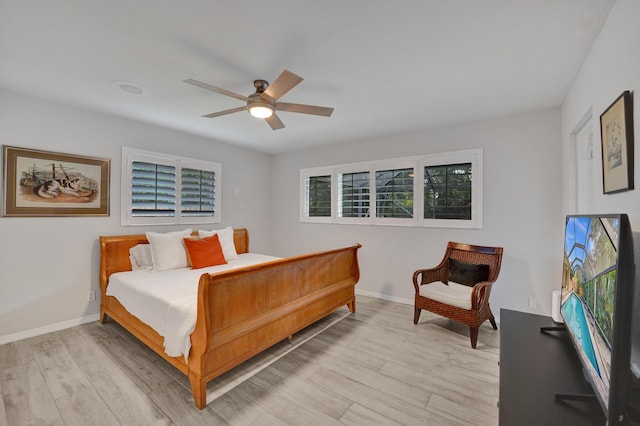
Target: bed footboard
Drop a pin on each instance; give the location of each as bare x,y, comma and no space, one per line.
245,311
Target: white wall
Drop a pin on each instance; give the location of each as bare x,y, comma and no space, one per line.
612,67
522,209
48,265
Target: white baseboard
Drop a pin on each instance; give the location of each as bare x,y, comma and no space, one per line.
385,297
48,329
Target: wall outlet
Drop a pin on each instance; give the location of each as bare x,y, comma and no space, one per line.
533,303
92,296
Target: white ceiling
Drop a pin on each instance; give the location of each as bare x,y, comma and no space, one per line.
386,66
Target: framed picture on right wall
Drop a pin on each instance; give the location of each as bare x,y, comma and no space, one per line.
616,130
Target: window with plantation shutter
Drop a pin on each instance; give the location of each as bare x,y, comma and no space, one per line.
388,192
394,193
153,189
354,189
317,195
162,189
319,189
452,189
198,192
447,191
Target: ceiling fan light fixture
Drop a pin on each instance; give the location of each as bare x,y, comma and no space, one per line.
263,103
261,110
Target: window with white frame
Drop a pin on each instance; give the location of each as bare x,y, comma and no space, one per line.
354,192
394,193
447,191
317,195
388,192
160,189
452,189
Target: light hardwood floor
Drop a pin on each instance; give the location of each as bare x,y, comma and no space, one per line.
371,367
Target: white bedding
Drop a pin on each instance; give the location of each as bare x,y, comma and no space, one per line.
166,301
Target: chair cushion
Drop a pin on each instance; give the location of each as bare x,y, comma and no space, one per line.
452,294
467,273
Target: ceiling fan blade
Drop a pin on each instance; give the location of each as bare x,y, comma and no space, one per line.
274,121
215,89
225,112
304,109
285,82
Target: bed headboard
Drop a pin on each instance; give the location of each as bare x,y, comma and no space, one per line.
114,252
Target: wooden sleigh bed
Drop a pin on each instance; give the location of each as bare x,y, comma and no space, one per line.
240,312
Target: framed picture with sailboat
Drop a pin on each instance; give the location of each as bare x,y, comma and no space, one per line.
44,183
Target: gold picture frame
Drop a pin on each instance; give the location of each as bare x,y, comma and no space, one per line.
44,183
616,131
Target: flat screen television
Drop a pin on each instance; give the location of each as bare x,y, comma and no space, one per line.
597,304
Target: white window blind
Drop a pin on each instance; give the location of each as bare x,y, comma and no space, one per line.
198,192
153,189
163,189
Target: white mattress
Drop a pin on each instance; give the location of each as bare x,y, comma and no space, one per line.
166,301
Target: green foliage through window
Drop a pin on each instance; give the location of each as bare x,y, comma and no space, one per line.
447,191
394,193
355,193
319,192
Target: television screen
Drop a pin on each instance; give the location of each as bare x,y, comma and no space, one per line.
596,305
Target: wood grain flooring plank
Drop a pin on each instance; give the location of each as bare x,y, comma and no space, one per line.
367,376
21,352
296,363
358,415
76,399
347,354
140,368
441,381
129,404
463,414
8,355
441,328
240,407
394,407
135,345
303,392
383,383
288,409
401,352
96,330
177,404
27,398
3,411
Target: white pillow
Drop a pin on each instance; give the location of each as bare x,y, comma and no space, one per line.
226,241
168,250
140,257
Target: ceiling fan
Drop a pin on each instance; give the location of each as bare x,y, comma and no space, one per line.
263,103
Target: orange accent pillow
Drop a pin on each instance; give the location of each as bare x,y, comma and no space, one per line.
204,252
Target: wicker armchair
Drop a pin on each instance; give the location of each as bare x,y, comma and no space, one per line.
467,304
